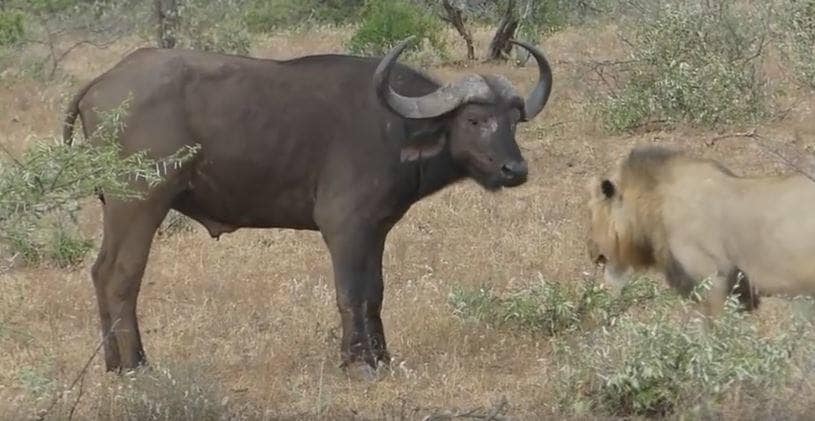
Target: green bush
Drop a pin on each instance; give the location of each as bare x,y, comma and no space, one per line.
550,308
11,27
652,364
386,22
213,25
798,24
270,15
66,247
693,64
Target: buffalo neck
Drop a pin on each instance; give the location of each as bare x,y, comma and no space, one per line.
431,173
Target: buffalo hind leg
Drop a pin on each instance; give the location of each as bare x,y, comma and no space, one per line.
356,255
129,228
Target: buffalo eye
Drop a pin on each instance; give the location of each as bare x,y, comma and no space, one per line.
473,121
608,188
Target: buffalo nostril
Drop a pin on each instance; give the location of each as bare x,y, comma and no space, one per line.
515,169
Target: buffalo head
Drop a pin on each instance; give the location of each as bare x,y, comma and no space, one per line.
479,115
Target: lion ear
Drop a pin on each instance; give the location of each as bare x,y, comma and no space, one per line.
608,188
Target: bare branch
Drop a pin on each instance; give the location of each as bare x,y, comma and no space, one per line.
79,377
763,143
58,59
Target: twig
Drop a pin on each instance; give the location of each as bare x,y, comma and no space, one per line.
491,415
762,141
11,155
712,141
78,398
79,378
100,45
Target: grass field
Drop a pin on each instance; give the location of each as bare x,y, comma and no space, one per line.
247,327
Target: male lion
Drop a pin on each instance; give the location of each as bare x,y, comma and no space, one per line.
692,219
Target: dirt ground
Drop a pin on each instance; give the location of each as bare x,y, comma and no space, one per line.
253,315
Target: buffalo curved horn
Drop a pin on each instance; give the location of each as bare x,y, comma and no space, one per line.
442,101
540,95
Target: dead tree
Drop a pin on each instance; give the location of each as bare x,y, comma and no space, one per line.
455,17
500,45
167,20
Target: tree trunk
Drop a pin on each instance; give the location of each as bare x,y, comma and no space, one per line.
529,13
167,17
500,46
456,18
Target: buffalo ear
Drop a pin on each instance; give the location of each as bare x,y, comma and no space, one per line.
418,149
608,188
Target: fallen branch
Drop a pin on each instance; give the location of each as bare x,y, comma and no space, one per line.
493,414
80,378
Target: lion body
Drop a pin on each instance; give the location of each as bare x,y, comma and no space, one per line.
692,219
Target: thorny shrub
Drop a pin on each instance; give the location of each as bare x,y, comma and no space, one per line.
630,354
213,25
270,15
691,62
386,22
551,308
650,363
11,27
797,18
42,189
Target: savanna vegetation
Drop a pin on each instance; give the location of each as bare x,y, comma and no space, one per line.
492,307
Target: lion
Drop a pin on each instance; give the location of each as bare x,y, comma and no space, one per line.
693,219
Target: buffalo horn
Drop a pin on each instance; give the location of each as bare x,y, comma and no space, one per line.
540,95
442,101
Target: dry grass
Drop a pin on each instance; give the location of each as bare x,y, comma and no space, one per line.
252,317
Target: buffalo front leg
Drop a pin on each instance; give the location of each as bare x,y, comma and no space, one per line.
357,260
117,274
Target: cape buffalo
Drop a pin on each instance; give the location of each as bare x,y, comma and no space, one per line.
335,143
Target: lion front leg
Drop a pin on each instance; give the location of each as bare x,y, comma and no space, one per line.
716,296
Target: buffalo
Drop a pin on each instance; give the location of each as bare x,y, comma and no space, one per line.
336,143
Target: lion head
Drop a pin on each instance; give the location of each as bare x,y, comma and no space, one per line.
607,232
624,229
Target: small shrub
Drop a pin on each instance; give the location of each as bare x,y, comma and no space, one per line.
67,247
270,15
19,242
651,364
213,25
36,382
11,27
798,24
694,64
386,22
169,395
550,308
